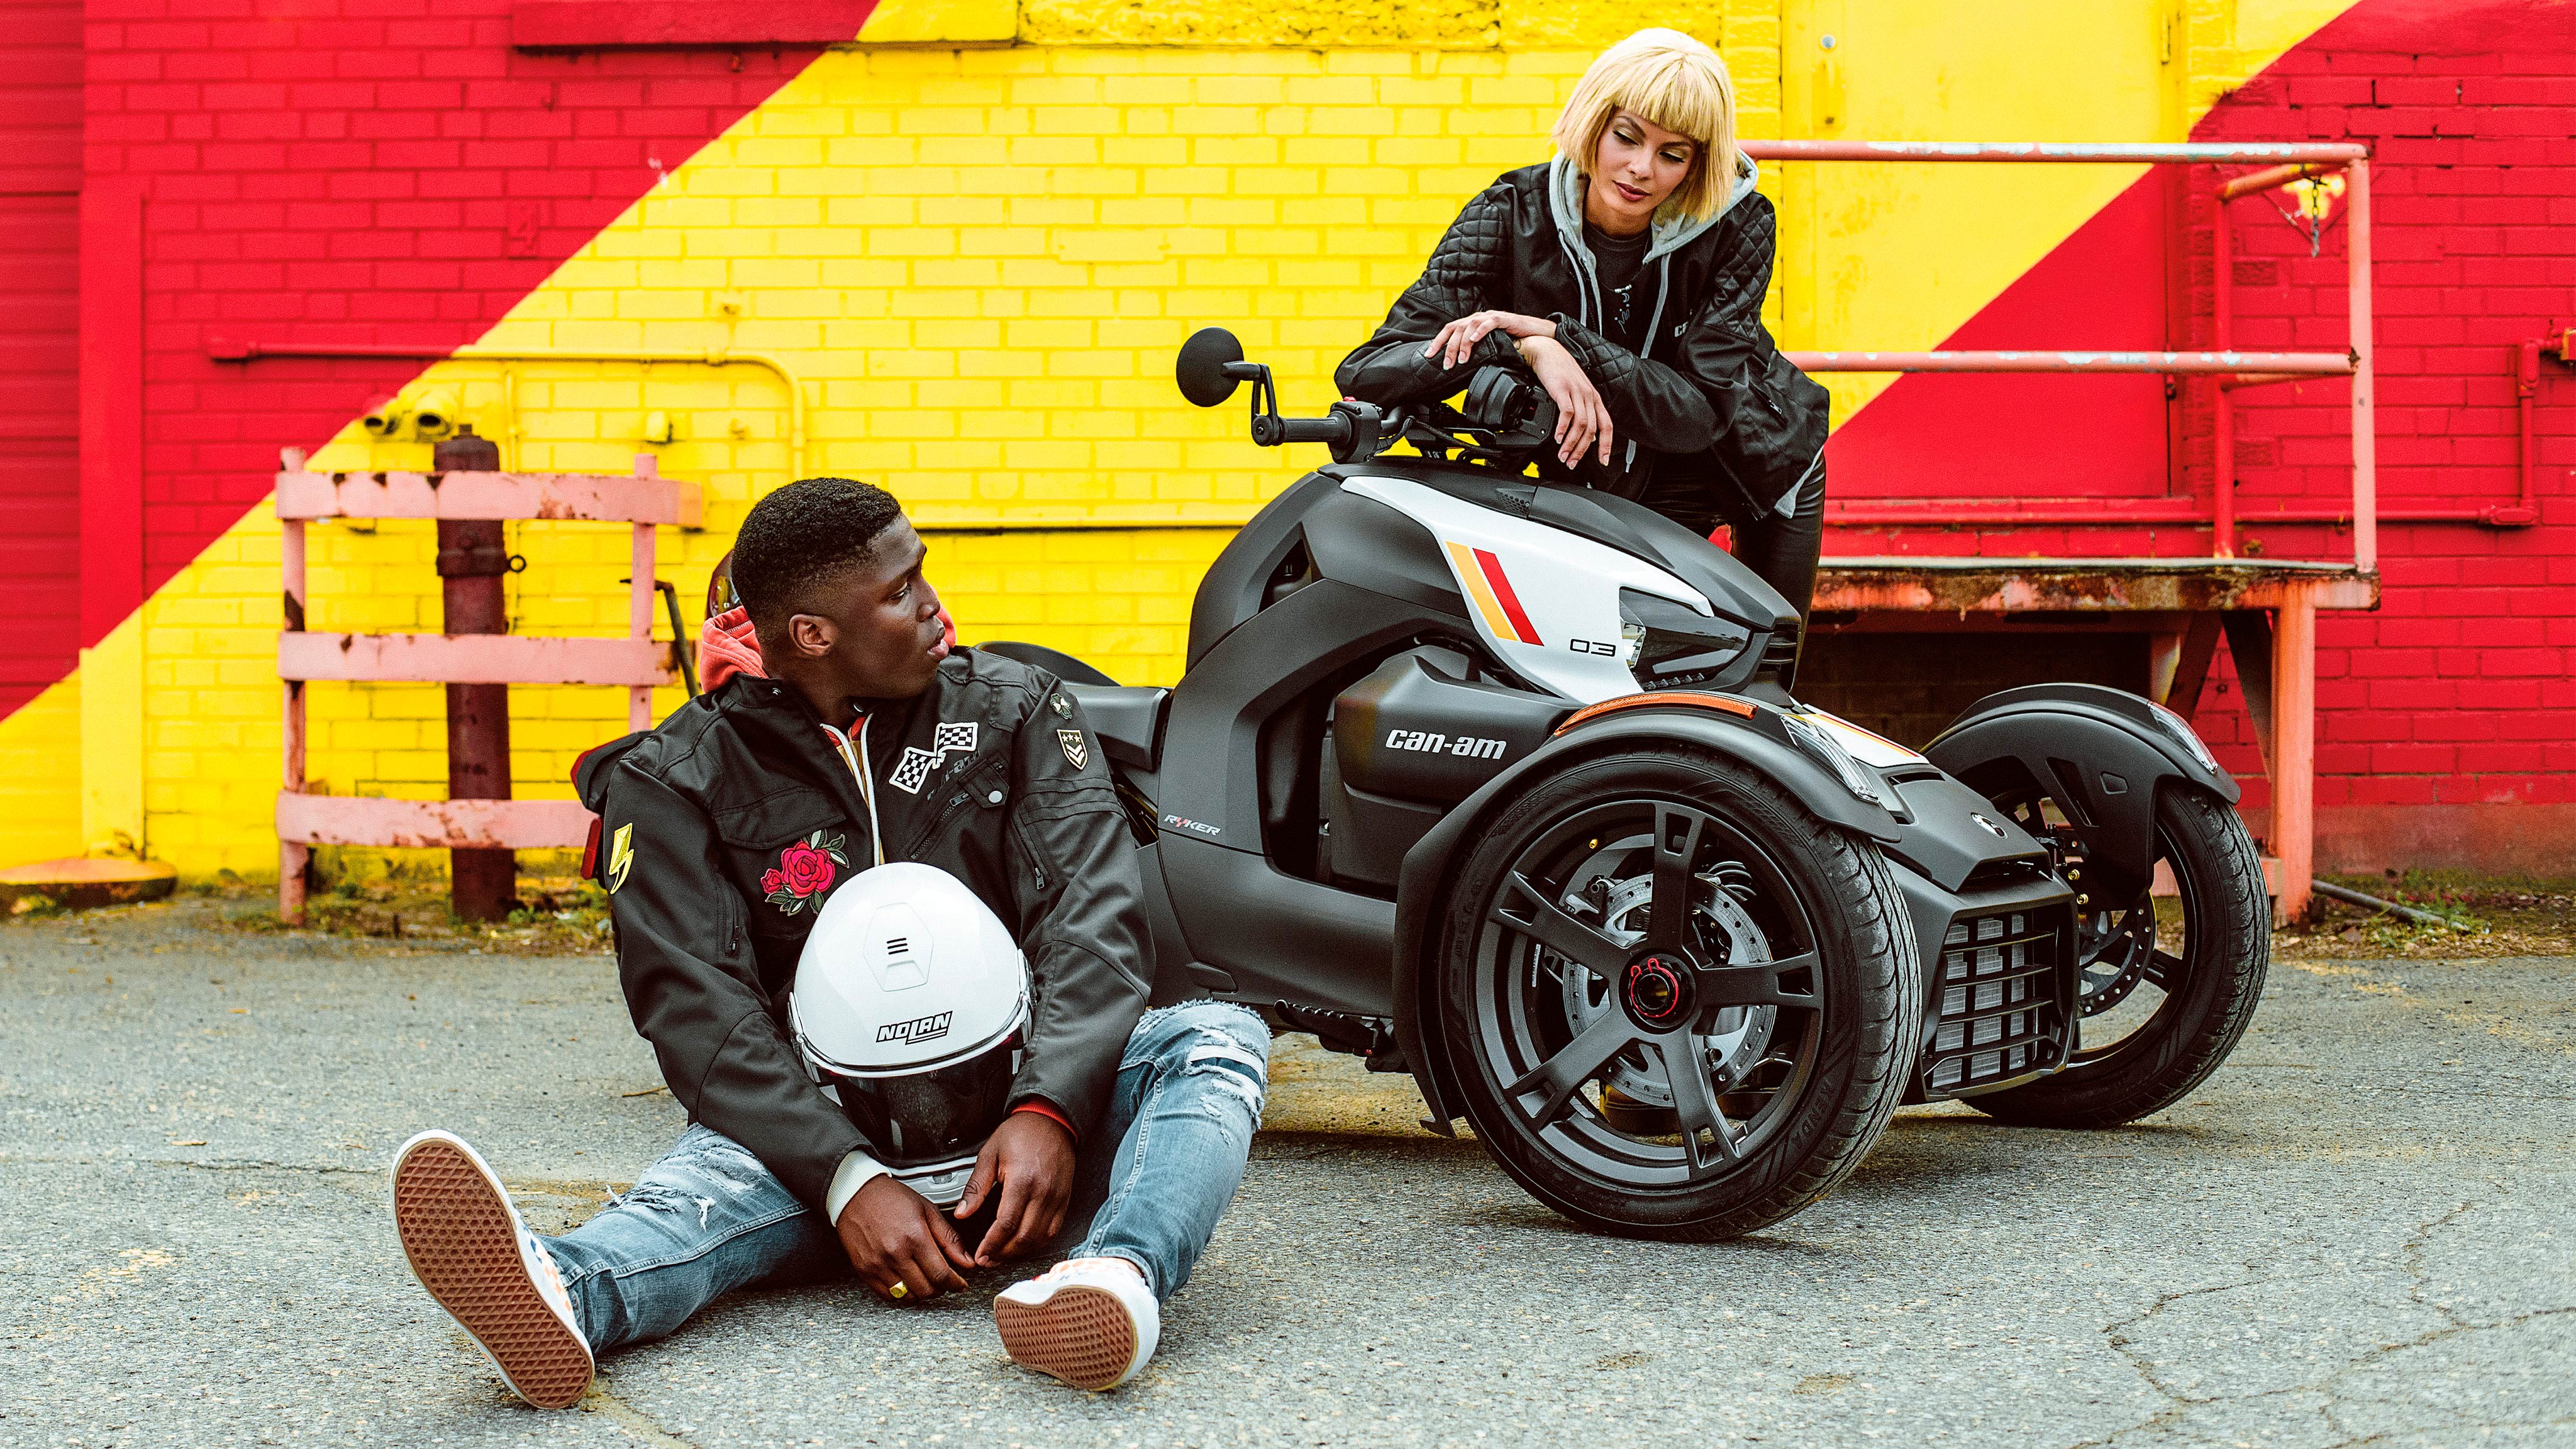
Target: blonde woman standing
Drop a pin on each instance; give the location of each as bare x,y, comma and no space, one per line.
1626,275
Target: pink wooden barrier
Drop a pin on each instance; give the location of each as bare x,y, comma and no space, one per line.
634,662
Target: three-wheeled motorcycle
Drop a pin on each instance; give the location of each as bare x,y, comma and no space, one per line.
1506,785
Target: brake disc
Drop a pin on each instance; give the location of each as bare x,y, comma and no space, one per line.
2113,947
1742,1033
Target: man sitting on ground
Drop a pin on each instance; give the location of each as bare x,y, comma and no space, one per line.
724,832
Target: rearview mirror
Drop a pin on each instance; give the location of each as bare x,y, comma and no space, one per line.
1211,366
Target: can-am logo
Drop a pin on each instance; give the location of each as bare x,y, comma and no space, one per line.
919,1029
1470,747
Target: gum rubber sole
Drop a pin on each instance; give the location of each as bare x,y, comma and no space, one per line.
1080,1335
457,1232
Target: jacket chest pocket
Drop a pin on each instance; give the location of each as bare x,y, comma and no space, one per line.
787,852
968,820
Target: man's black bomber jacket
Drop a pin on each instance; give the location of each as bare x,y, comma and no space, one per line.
724,830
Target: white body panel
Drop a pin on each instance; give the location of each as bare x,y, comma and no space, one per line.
1566,586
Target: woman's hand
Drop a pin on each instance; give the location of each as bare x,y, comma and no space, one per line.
1458,340
1582,418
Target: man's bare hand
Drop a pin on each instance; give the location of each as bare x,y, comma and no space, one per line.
1582,418
894,1236
1457,341
1029,1158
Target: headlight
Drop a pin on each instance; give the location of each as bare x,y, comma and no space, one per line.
1667,646
1829,752
2176,726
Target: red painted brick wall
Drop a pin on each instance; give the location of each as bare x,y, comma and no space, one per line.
2445,728
2456,696
355,171
40,141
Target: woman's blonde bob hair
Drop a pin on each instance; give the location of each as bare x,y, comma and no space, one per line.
1675,82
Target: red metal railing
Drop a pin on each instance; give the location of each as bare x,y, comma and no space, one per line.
2283,163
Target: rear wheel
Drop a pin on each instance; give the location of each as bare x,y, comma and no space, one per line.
2168,985
1673,1004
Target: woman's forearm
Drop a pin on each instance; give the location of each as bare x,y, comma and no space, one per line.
1390,369
1652,404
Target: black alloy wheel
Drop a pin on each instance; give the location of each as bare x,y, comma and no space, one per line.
1674,1004
2169,983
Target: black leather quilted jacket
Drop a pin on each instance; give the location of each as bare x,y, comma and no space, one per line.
1709,392
724,830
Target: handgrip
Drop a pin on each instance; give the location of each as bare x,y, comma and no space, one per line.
1335,430
1271,431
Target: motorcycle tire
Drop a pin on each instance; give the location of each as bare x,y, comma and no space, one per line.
2226,951
1781,887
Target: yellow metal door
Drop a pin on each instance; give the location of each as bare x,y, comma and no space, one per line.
1900,256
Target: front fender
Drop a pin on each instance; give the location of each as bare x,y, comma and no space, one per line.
2104,756
1758,741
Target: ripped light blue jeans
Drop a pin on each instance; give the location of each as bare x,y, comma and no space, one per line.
708,1218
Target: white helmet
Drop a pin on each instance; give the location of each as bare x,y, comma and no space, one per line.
910,1007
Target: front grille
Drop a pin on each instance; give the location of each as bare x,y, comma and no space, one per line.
1996,999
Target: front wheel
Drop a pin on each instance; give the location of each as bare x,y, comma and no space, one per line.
1673,1003
2165,993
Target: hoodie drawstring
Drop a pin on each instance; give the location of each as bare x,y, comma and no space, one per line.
858,764
1581,262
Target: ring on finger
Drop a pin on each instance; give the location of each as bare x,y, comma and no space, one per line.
897,1291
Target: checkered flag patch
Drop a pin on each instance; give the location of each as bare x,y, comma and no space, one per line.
912,769
918,763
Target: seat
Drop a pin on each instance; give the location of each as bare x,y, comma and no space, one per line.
1054,661
1128,719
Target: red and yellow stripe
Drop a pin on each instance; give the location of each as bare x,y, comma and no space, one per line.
1486,583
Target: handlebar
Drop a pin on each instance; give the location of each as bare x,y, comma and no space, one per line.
1333,429
1507,414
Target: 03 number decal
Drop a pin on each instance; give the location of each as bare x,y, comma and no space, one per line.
1593,647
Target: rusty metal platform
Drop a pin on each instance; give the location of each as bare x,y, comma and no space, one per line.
2266,609
1963,586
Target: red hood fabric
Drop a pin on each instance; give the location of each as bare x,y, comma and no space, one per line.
727,647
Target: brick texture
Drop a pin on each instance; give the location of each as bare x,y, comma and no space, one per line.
975,264
40,137
2454,692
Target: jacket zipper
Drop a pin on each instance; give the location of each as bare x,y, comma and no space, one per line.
1655,323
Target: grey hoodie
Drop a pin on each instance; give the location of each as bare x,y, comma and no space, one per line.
1565,186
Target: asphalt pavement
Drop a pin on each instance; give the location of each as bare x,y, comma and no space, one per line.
2362,1230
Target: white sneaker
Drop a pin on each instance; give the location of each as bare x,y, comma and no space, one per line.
468,1247
1091,1322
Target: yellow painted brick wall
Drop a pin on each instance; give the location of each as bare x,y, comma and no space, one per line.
977,264
40,777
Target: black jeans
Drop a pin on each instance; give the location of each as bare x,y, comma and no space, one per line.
1781,548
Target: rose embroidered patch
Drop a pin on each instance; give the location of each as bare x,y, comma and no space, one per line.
804,871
